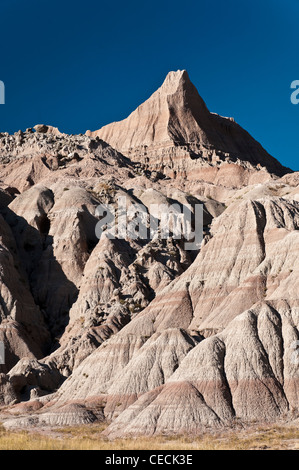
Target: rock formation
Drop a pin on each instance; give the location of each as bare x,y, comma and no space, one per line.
173,132
141,332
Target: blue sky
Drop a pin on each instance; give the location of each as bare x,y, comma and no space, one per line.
80,65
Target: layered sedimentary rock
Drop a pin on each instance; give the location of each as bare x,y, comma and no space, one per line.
169,358
175,133
141,332
22,329
237,374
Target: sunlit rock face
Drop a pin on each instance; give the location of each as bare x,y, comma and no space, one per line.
142,332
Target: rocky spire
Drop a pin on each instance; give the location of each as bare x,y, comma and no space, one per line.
176,123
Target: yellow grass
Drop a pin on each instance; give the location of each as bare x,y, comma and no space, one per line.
90,438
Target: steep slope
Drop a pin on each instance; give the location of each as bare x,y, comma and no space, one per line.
167,371
140,332
174,132
22,327
83,290
238,374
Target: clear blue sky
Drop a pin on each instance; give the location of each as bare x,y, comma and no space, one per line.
78,65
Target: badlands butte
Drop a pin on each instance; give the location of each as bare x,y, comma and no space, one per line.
143,334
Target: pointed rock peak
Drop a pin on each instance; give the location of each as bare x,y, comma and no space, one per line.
174,131
173,80
174,77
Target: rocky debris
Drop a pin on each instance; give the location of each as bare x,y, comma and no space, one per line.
42,128
8,396
28,158
31,378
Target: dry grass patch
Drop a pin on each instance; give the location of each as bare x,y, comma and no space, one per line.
90,438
